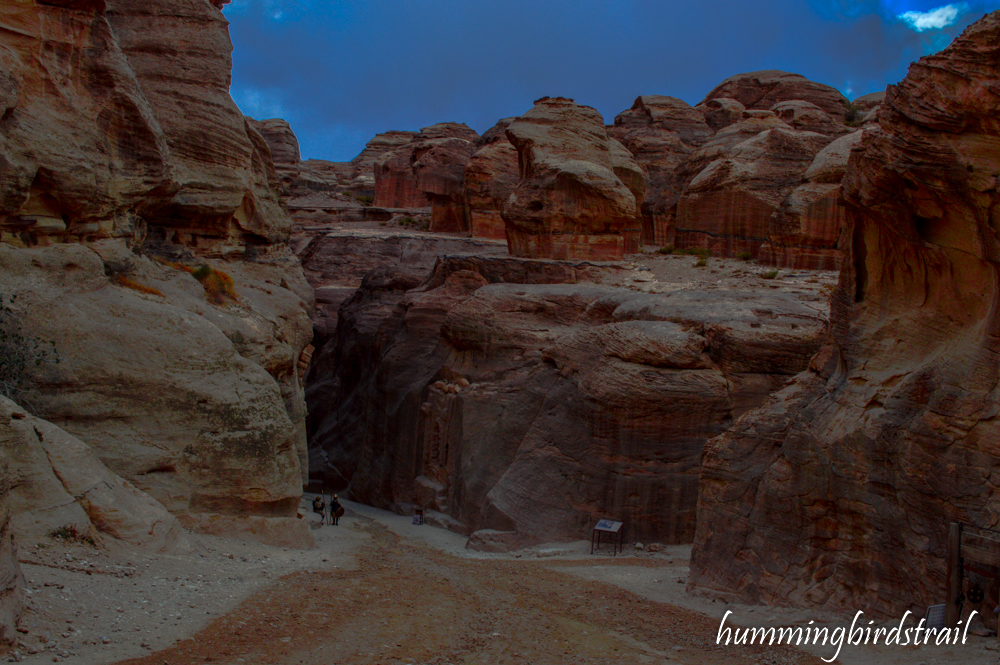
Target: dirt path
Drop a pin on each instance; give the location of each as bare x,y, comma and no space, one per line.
409,603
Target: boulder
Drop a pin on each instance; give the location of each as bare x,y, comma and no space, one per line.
728,206
810,118
660,132
720,113
518,396
764,89
839,491
569,202
57,481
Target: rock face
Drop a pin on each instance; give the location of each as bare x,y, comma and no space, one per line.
11,579
763,89
660,132
805,231
728,206
284,149
363,166
513,395
838,492
57,481
570,202
428,172
119,143
490,176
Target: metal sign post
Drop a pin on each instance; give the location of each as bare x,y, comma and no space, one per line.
617,535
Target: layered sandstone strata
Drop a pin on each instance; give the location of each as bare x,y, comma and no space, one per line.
428,172
518,395
660,132
763,89
839,491
490,176
570,201
122,145
728,206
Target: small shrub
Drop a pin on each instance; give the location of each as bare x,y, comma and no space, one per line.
744,256
217,284
695,251
854,116
666,249
365,200
18,352
769,274
128,283
70,534
702,262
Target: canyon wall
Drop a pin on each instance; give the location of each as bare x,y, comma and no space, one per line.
144,238
838,492
522,396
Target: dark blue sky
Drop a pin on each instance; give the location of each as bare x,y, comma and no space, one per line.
340,71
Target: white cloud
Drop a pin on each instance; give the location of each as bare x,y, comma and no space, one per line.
934,19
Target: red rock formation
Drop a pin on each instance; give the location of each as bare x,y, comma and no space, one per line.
728,206
490,176
838,492
660,132
805,231
569,203
810,118
720,113
363,166
428,172
513,395
764,89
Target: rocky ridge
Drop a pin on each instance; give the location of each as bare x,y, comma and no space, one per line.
838,492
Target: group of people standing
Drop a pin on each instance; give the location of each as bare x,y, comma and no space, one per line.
335,513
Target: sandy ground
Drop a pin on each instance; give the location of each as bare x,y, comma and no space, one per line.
379,589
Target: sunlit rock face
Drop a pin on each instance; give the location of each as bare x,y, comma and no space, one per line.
838,492
125,166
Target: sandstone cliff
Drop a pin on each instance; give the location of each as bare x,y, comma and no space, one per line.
123,152
518,395
570,201
838,492
763,89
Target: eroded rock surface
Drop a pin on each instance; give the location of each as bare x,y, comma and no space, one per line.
763,89
490,176
839,491
728,206
660,132
570,202
121,143
521,396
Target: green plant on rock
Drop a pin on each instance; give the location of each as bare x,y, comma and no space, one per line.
769,274
666,249
744,256
19,352
702,262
